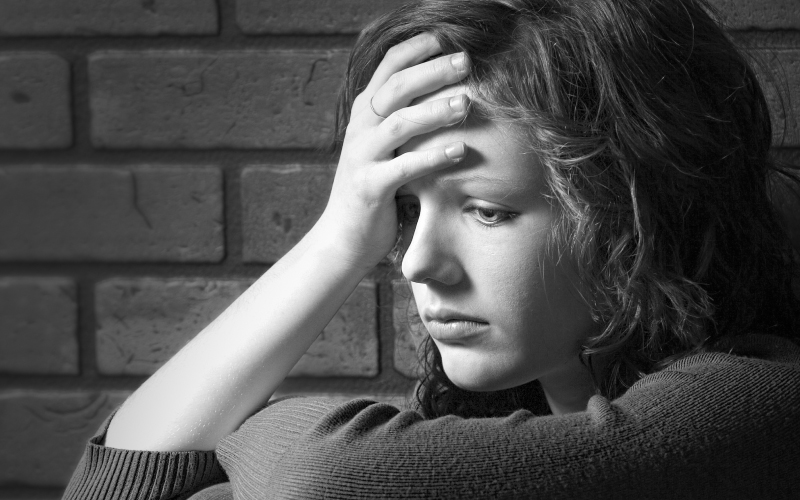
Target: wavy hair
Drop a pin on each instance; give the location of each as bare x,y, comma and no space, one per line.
654,136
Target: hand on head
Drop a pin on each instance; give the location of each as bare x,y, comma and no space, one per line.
361,213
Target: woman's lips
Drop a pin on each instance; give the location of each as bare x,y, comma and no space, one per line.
453,330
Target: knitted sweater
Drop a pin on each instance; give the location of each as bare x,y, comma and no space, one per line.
719,424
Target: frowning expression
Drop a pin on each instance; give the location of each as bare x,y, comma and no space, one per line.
501,305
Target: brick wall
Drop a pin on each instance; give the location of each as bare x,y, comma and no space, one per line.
156,156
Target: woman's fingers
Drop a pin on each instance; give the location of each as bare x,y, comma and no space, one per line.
416,120
404,86
403,55
415,164
361,214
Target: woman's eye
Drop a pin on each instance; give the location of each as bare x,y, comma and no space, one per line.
490,216
408,210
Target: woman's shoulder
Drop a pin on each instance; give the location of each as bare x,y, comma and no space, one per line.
764,347
753,378
743,357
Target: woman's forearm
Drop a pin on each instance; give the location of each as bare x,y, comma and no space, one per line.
234,365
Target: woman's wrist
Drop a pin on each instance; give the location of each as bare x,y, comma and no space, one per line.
332,243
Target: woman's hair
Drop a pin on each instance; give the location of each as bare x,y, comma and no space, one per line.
654,136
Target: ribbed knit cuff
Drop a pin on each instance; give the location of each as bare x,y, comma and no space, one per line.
105,473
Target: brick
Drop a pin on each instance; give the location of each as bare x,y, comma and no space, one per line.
34,101
762,14
141,213
141,323
107,17
192,99
779,73
348,346
44,433
280,205
256,17
408,330
38,326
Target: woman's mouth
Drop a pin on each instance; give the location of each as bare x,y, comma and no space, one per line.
455,329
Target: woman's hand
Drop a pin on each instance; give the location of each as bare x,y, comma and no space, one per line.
230,369
360,220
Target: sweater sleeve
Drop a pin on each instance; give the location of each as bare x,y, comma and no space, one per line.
110,473
713,426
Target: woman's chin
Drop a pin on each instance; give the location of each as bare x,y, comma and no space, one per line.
471,377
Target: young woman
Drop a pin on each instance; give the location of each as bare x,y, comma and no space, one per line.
581,196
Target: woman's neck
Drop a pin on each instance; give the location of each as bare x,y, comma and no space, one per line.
568,388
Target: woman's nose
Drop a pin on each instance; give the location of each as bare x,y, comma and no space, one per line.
431,256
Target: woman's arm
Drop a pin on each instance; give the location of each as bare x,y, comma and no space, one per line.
713,425
232,367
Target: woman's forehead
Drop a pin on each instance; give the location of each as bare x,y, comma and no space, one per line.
481,135
495,155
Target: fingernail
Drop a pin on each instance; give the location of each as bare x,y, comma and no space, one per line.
458,103
455,152
459,61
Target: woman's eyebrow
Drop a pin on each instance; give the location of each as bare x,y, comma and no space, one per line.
508,186
474,177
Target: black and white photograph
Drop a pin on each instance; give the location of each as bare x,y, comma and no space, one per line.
399,249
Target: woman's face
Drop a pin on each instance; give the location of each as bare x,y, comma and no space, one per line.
502,309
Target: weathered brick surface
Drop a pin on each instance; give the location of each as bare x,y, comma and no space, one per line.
408,330
44,433
760,14
38,326
780,77
348,346
256,17
187,99
142,322
107,17
280,205
142,213
34,101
